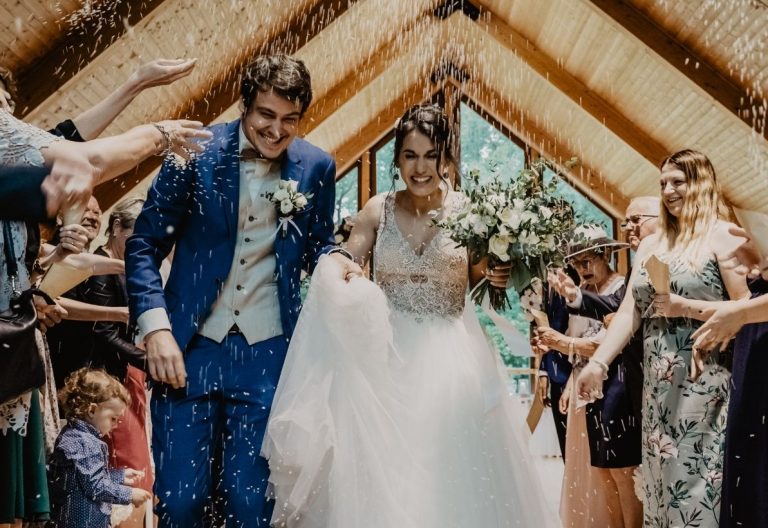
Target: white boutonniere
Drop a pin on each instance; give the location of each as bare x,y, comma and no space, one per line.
288,201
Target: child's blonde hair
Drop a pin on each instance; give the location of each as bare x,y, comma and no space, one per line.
86,386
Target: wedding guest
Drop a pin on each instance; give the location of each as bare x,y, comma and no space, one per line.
555,369
83,486
683,419
114,349
602,441
640,221
79,166
233,295
745,473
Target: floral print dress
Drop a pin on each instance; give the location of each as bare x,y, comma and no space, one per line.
683,428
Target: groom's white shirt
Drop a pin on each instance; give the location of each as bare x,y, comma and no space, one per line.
248,297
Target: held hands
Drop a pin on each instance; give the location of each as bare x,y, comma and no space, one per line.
139,496
165,360
349,269
160,72
560,282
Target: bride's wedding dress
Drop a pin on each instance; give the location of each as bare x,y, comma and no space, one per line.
392,410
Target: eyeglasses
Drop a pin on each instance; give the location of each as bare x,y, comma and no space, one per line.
637,220
584,262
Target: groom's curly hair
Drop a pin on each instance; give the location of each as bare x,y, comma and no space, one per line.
287,76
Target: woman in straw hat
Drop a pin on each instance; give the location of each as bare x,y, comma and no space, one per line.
602,440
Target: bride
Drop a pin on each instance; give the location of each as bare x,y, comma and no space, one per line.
392,409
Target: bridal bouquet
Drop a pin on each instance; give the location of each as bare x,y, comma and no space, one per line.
519,221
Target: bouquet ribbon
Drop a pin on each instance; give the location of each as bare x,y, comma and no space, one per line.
282,224
517,343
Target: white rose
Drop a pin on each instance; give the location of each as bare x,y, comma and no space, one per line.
518,204
293,185
490,210
498,246
286,206
529,238
284,184
301,202
545,212
479,227
510,217
465,222
528,216
281,195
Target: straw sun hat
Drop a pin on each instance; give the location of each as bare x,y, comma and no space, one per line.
590,237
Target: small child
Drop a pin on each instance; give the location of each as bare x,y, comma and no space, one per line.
82,487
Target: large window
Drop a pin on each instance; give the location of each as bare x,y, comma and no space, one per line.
384,154
346,195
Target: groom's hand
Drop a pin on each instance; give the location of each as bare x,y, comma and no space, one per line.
165,360
349,269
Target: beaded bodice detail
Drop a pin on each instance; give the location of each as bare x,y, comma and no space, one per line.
432,284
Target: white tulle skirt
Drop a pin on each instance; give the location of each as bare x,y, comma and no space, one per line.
385,420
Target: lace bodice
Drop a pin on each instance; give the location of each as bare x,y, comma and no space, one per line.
21,143
432,284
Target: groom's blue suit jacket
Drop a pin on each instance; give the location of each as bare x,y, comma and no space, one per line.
196,209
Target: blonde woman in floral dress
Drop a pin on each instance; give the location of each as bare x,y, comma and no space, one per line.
683,415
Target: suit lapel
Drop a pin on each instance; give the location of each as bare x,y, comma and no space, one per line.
290,169
228,174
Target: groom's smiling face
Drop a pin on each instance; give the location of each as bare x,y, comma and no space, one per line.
271,123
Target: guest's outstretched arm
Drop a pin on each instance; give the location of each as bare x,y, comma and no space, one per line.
91,123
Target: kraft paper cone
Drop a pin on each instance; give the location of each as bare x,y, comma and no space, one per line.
61,278
534,415
658,273
756,225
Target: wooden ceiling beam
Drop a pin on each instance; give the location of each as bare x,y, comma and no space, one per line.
348,153
224,92
83,42
726,89
577,91
389,53
582,176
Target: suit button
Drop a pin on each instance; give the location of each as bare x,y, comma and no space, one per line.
247,239
238,287
237,312
242,261
251,218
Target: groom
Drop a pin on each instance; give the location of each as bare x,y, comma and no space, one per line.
216,338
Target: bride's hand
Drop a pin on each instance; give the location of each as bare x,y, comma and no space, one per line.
589,384
498,275
349,269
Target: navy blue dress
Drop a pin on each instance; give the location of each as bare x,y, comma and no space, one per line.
745,473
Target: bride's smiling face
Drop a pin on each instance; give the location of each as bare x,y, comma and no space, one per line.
417,162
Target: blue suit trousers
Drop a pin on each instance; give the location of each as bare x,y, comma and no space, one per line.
207,437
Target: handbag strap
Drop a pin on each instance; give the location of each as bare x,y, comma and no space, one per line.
10,256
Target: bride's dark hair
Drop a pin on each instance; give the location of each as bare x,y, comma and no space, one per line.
430,120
